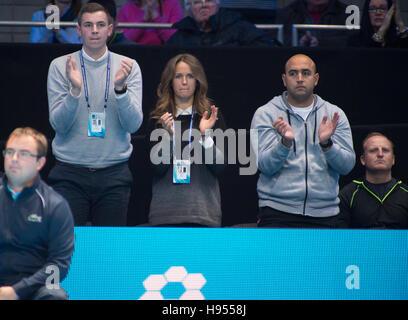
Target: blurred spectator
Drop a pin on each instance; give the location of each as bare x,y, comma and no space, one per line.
381,26
209,25
118,36
158,11
332,12
68,10
255,11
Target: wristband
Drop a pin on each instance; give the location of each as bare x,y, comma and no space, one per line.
123,90
402,33
329,143
377,38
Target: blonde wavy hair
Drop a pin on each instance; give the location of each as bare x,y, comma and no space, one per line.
165,93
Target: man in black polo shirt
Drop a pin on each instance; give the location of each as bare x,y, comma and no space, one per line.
379,200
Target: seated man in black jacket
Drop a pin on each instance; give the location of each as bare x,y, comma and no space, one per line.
331,12
208,25
379,200
36,224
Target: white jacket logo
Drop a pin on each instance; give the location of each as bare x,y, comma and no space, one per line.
34,218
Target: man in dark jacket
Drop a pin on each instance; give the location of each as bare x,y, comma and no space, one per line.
208,25
36,224
378,200
331,12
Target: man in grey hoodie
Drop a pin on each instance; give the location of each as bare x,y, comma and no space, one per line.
95,103
303,144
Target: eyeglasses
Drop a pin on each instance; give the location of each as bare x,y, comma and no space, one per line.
198,3
375,10
23,154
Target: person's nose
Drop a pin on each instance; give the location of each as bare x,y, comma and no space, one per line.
184,80
15,157
380,153
94,28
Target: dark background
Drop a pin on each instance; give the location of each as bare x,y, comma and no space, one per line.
370,85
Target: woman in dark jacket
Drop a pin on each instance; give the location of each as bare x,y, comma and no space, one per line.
186,161
381,26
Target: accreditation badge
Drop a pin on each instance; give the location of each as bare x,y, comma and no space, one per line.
181,171
96,124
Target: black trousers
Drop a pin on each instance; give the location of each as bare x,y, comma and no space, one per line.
272,218
100,196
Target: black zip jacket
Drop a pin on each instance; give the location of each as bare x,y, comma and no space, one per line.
36,231
296,13
360,207
228,28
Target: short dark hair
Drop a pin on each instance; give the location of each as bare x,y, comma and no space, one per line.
109,5
91,8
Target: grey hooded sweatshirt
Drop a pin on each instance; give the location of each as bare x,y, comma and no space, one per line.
302,179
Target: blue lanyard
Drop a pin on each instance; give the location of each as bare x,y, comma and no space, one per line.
189,134
86,84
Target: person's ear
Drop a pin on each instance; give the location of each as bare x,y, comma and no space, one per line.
110,30
41,162
316,79
78,28
284,79
362,160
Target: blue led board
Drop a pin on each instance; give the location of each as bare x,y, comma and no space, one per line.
237,264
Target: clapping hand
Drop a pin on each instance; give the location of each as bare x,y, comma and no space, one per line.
166,121
327,128
398,19
208,121
308,40
149,8
123,73
285,130
387,22
7,293
74,76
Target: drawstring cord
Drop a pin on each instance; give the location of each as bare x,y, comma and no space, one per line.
294,140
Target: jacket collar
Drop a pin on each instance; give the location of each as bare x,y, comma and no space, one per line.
26,190
286,104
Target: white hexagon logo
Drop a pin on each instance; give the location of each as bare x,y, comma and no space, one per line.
192,284
151,295
192,295
154,282
194,281
176,274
